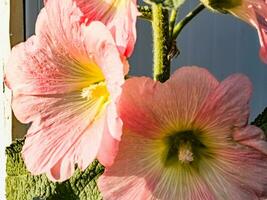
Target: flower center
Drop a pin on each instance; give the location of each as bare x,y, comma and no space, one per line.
97,91
185,154
183,147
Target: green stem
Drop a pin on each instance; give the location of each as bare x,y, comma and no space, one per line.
160,27
172,21
179,27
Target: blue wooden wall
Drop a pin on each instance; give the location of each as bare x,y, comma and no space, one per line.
221,43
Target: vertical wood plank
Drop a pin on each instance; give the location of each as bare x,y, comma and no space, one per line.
17,35
5,109
16,22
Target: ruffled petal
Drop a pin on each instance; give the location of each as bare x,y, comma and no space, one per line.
104,52
228,106
236,172
186,91
108,151
57,69
125,179
55,60
63,169
119,16
253,137
59,124
109,143
230,162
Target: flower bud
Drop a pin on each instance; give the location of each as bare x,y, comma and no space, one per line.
221,5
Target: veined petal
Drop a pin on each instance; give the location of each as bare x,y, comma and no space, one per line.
119,16
188,88
55,60
69,82
138,174
190,143
228,105
129,169
59,123
253,137
232,174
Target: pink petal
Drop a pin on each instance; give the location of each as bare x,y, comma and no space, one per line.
55,60
254,12
228,106
234,165
237,172
114,122
60,58
119,16
59,125
130,188
54,67
63,169
186,91
109,148
103,49
252,136
138,174
125,178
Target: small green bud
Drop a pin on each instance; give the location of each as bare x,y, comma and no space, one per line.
221,5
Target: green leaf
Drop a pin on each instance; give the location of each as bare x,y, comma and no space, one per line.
172,4
21,185
261,121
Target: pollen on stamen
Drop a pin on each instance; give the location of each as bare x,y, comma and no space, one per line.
185,154
86,93
95,91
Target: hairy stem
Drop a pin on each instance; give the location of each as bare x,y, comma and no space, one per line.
160,25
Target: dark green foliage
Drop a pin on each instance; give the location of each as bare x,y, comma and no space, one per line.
20,185
261,121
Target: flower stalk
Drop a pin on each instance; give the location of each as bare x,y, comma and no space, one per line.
160,27
172,21
179,27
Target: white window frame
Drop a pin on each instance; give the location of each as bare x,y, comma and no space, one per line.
5,109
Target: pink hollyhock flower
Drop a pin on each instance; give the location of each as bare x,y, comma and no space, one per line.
253,12
118,15
187,139
66,81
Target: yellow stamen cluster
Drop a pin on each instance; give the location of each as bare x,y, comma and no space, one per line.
96,91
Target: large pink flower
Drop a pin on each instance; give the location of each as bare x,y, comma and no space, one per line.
253,12
119,16
66,81
187,139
